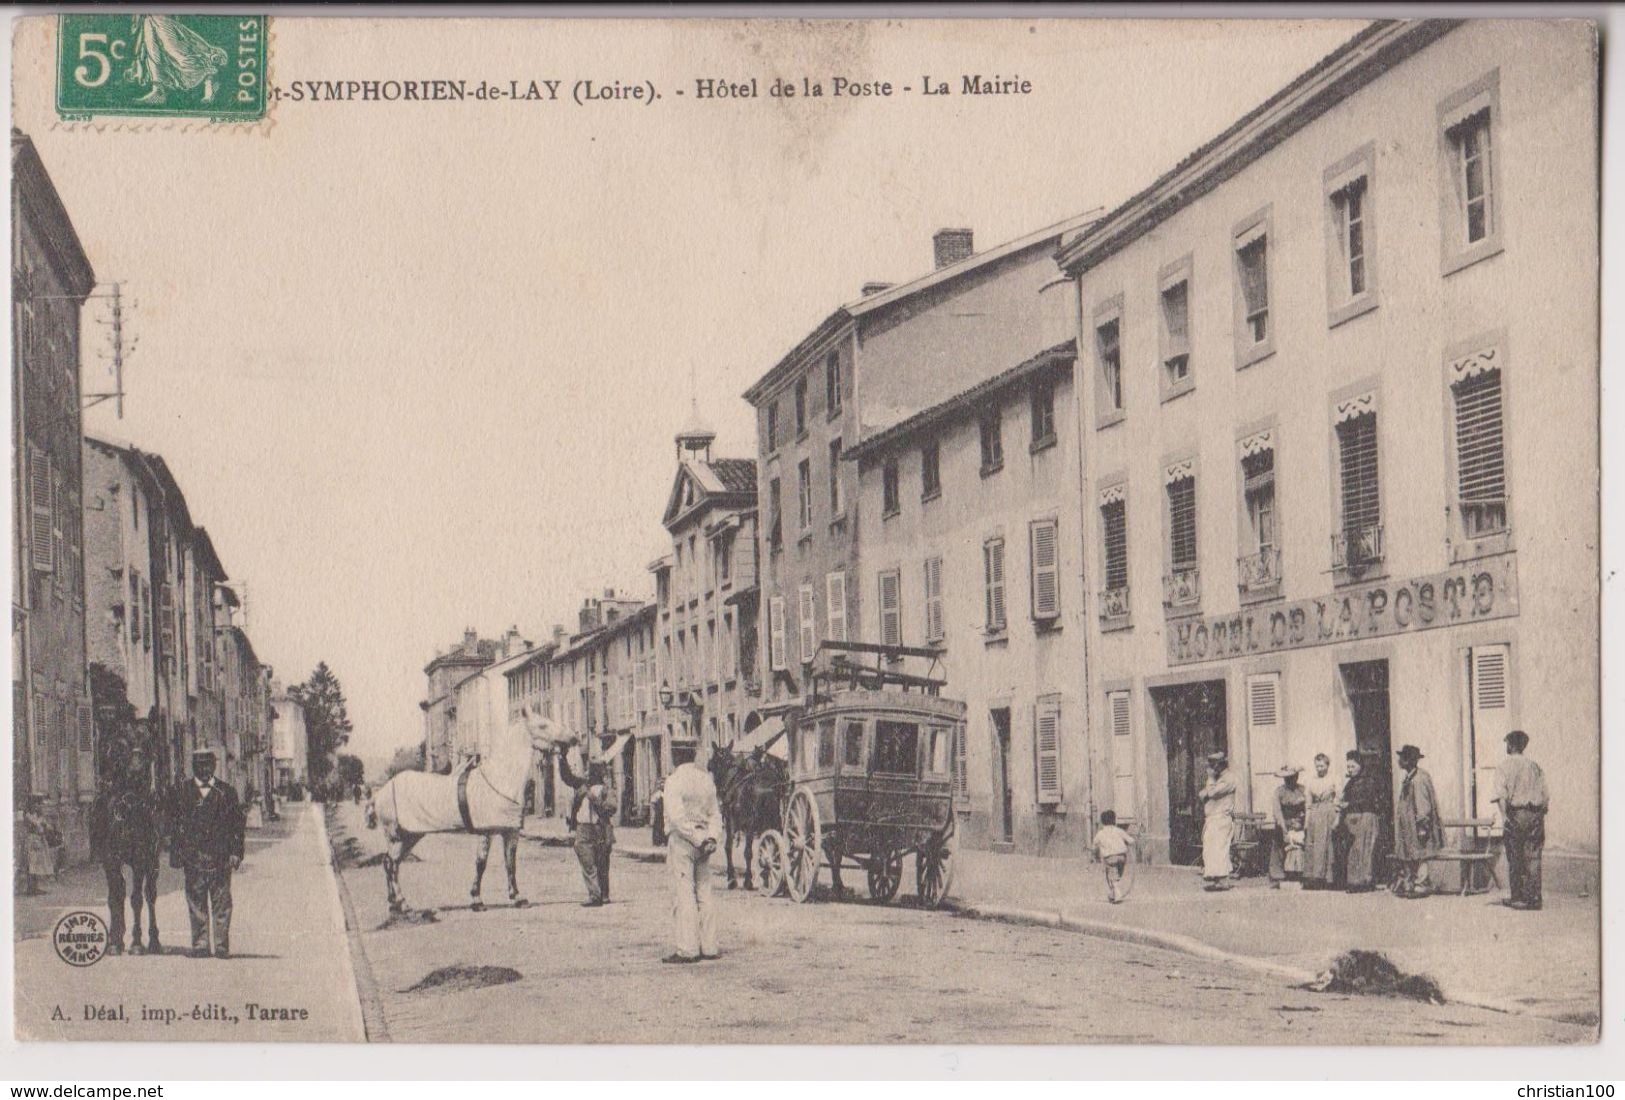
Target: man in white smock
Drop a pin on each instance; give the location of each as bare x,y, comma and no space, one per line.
693,831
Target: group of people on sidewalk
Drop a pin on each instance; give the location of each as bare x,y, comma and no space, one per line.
1325,833
693,827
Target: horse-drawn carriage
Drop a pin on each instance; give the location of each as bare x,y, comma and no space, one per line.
871,778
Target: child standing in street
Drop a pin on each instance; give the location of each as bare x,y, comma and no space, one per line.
1111,848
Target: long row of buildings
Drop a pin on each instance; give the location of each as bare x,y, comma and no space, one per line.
1293,452
125,624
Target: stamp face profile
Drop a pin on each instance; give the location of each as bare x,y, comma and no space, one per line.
161,66
80,938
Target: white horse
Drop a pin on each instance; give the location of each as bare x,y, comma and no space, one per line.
484,798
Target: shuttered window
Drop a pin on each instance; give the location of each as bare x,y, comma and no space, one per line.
41,544
933,600
808,623
993,584
1046,572
835,606
930,471
832,383
1266,739
889,491
1490,697
1182,523
58,507
891,608
74,522
1043,410
166,621
775,515
1047,744
1480,454
146,607
1119,716
1114,528
87,730
1357,454
42,725
836,504
1258,489
775,634
804,489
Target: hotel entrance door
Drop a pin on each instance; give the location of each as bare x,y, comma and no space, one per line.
1191,718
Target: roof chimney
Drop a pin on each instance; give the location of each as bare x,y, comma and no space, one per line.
951,246
876,288
471,640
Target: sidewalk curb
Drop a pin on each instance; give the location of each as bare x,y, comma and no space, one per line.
1186,945
368,1003
1167,941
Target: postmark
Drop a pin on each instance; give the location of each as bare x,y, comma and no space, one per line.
161,66
80,938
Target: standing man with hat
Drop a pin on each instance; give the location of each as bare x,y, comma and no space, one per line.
207,824
1520,790
1417,829
1218,797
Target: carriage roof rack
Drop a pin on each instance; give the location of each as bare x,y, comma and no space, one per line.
841,667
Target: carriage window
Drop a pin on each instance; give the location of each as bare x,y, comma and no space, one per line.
852,745
826,744
937,762
809,748
897,748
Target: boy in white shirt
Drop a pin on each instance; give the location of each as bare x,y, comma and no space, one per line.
1111,848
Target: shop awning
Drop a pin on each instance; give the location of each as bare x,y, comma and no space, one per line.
613,752
769,735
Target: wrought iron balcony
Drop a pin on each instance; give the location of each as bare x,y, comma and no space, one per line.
1357,549
1259,572
1182,588
1114,603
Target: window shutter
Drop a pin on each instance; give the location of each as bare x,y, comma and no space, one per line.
1117,703
933,600
1182,523
808,623
1045,571
58,507
39,499
1480,457
961,767
835,609
1114,525
166,620
146,609
1357,445
76,549
775,634
1491,720
1266,743
993,583
87,731
42,723
1047,742
891,609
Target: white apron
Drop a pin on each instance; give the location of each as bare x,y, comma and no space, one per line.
1218,832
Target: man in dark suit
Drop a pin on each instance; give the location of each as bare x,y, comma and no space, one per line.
207,826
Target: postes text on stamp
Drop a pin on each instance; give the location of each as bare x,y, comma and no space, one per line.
161,66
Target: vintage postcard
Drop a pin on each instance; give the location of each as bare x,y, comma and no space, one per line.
809,531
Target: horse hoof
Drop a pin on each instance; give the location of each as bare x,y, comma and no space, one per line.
477,907
137,949
732,885
115,949
521,903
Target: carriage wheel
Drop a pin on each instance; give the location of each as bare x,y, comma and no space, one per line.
769,863
885,875
934,867
803,846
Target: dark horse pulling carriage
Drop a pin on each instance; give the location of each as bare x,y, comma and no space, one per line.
870,779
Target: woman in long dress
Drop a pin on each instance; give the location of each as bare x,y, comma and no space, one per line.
1321,825
1218,797
1289,816
167,55
1362,804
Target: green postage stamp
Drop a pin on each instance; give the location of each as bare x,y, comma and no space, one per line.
161,66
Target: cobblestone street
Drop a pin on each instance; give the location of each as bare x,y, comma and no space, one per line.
838,973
